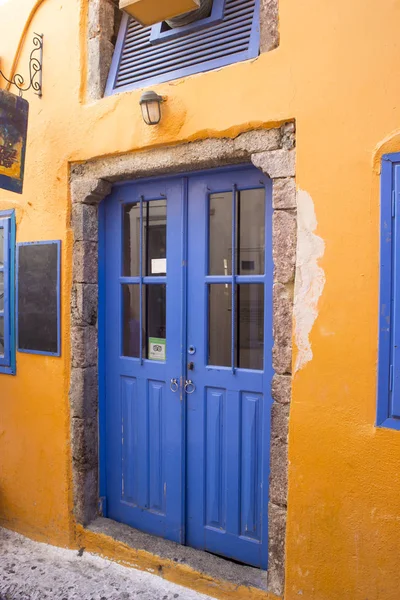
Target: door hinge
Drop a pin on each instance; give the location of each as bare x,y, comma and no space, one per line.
103,506
393,203
391,375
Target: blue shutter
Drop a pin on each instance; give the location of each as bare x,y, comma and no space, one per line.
5,293
138,63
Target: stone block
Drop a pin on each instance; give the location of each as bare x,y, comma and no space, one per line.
84,442
85,266
276,549
260,140
288,136
278,478
84,346
83,392
280,421
101,19
269,33
86,495
277,163
282,359
284,241
84,302
85,222
284,193
282,328
89,191
100,53
281,388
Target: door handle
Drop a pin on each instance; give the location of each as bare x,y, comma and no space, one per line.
174,385
189,386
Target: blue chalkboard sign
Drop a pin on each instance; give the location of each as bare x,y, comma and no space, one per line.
38,297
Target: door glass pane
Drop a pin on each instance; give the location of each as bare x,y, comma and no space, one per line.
156,324
154,331
1,336
219,324
250,326
251,232
220,234
131,321
1,291
131,240
154,238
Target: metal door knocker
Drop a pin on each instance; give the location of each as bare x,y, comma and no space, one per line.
174,385
189,386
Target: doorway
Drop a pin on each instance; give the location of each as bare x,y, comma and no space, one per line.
187,346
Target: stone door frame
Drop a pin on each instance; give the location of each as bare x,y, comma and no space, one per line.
273,152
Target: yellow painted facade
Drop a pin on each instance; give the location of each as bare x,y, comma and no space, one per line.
335,74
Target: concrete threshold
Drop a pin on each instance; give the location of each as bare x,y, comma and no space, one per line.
211,566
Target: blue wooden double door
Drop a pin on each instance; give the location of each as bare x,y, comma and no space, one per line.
185,342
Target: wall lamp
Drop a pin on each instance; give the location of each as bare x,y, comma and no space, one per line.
150,103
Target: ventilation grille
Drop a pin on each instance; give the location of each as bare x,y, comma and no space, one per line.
141,63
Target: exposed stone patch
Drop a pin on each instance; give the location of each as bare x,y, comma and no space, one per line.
310,278
273,152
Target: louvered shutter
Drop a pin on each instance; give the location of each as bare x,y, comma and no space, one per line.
138,63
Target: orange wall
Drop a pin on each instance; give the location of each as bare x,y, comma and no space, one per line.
335,72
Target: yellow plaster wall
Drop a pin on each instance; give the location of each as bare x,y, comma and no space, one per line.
336,74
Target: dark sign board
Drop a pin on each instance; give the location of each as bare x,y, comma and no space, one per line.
13,130
38,298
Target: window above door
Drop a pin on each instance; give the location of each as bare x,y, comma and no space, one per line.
148,55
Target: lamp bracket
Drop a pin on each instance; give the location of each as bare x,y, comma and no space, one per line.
35,70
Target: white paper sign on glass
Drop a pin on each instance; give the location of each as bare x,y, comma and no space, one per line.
158,266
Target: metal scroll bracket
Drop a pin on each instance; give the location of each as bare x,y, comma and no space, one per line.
35,70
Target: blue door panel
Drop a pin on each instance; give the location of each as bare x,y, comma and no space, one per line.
143,416
191,467
228,414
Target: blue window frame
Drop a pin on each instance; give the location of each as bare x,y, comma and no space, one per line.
388,410
148,55
7,293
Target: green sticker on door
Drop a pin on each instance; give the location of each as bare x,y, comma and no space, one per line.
157,348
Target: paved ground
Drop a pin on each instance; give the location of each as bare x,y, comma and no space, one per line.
32,571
